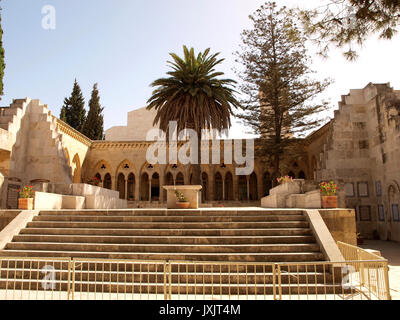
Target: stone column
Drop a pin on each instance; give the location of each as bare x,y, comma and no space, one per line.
235,187
137,189
223,190
149,189
126,189
162,177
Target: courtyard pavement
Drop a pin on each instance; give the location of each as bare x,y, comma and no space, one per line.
391,252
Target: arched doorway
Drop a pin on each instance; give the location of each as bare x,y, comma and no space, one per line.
267,183
144,187
155,187
180,180
204,184
121,185
131,187
253,187
107,184
302,175
229,186
291,174
242,188
218,187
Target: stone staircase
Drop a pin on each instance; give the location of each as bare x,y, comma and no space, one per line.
203,238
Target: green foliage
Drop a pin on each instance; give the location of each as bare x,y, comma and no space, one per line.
277,87
180,197
346,23
73,112
2,62
26,192
194,96
328,188
93,127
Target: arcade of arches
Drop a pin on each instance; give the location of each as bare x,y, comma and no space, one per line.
144,182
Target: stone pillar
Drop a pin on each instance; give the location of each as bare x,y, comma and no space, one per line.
126,189
223,190
149,189
137,189
235,187
162,177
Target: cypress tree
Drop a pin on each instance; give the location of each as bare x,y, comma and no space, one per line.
73,112
93,127
2,63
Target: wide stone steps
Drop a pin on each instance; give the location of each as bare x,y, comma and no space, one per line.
169,232
165,240
177,219
165,248
219,244
179,290
181,277
168,225
170,213
221,257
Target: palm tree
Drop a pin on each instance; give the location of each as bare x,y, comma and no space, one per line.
194,97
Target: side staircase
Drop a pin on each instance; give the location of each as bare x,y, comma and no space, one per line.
208,250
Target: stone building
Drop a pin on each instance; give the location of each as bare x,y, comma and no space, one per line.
358,148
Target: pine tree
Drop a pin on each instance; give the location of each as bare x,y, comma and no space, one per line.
276,85
73,112
2,63
93,127
349,23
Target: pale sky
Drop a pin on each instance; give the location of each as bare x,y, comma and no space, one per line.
124,45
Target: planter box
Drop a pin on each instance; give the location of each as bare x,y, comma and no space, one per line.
191,193
329,202
183,205
25,203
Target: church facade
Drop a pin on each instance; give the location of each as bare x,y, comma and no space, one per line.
359,149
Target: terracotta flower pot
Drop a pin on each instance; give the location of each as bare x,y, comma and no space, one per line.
25,203
183,205
329,202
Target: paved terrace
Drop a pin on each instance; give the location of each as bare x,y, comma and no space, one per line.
391,251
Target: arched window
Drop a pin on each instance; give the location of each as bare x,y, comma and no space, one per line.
180,180
155,187
253,187
107,184
131,186
121,185
204,184
302,175
218,187
144,187
229,186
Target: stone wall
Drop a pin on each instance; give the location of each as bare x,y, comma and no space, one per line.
361,153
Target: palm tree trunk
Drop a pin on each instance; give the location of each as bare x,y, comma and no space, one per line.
197,167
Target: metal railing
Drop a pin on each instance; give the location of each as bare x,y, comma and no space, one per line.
102,279
371,271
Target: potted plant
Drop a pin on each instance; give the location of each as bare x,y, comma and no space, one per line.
94,181
285,179
328,193
25,201
181,201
